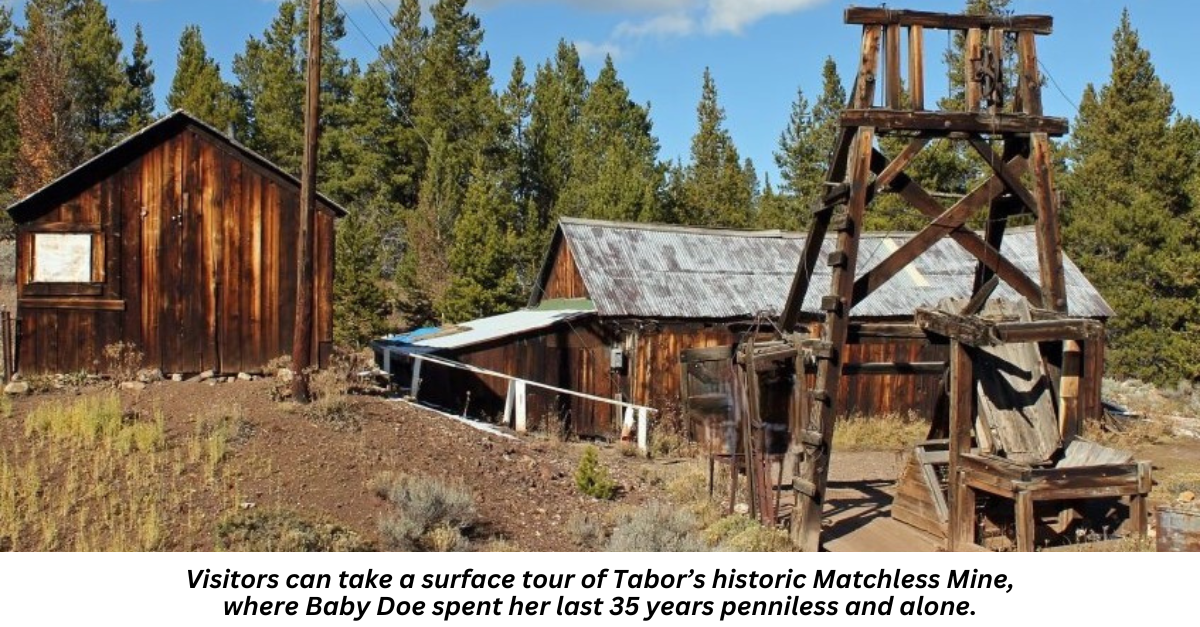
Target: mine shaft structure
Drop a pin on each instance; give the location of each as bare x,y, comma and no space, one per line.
1012,135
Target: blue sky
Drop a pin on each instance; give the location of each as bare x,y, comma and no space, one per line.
759,51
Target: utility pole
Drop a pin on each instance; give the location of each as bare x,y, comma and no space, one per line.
302,339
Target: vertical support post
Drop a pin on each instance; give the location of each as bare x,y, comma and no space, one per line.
415,385
891,57
302,338
916,68
973,53
1050,255
643,429
520,407
508,404
1029,82
1025,522
962,417
1070,420
998,212
814,467
996,43
627,423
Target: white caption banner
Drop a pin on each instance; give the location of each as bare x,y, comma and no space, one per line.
588,588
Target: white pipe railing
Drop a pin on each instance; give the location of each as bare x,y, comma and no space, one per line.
515,415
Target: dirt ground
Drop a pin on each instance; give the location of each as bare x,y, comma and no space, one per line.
278,458
524,488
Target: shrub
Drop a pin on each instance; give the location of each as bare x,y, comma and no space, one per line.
656,527
592,479
740,533
430,514
123,360
285,531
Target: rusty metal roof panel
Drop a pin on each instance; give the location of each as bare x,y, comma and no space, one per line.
655,271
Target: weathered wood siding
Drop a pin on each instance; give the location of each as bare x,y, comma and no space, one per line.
654,367
564,281
198,265
572,358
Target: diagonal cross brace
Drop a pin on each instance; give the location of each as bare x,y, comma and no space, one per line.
946,223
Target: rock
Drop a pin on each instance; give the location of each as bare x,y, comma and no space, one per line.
1187,497
741,508
244,376
136,386
286,375
16,388
18,377
247,505
206,375
150,375
177,377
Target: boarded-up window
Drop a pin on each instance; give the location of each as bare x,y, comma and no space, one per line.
62,257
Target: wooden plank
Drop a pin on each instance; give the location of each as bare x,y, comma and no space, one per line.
1039,24
1050,261
916,67
995,41
891,57
81,304
940,123
1080,329
1000,167
885,331
1025,522
962,417
972,54
1029,83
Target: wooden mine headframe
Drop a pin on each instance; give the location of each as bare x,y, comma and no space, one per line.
859,171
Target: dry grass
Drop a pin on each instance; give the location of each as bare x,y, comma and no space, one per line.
891,432
1134,433
86,469
282,530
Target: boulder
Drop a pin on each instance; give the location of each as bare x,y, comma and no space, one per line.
16,388
135,386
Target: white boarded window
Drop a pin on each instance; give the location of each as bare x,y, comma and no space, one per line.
62,257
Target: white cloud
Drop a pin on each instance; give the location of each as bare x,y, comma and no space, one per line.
592,50
677,24
734,15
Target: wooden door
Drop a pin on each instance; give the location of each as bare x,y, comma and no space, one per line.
175,287
707,394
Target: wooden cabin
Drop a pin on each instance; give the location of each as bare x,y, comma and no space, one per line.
178,241
643,294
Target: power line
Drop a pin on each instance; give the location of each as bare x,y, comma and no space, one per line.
1056,86
382,57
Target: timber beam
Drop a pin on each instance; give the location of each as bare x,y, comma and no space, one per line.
1039,24
941,123
980,332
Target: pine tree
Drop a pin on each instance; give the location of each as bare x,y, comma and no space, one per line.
400,62
454,94
425,270
1130,222
138,109
715,188
198,87
9,130
805,146
97,82
485,252
559,91
50,142
359,304
614,170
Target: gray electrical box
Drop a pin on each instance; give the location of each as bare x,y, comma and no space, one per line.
616,358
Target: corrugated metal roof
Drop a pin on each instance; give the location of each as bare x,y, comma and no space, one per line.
656,271
482,330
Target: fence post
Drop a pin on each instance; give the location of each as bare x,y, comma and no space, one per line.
519,405
627,424
643,429
508,405
415,386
